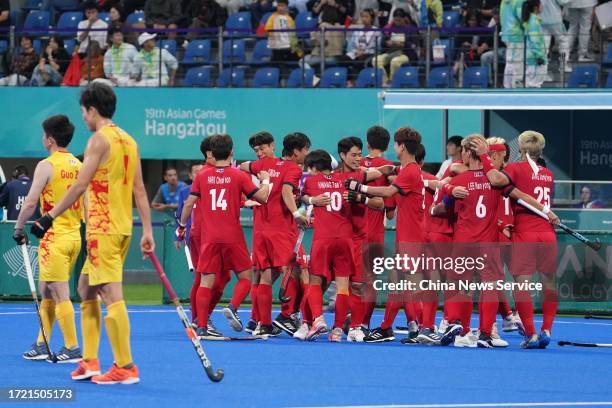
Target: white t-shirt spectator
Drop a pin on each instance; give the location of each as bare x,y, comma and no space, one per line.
99,36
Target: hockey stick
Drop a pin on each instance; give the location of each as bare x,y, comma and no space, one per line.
596,245
577,344
188,256
285,279
214,376
225,338
2,181
28,266
597,317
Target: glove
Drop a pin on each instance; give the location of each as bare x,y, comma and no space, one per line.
41,226
180,232
19,236
356,198
354,185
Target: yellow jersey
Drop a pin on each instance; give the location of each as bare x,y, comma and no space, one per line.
65,170
110,191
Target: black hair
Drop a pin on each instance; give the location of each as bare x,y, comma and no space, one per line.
167,169
120,10
378,138
89,5
205,146
59,40
295,141
59,128
409,137
221,146
261,138
99,96
20,170
113,30
399,13
283,1
528,7
419,156
456,140
318,159
346,144
507,155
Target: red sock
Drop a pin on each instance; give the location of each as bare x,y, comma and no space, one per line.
504,309
524,306
342,306
254,305
452,306
549,309
430,305
487,308
241,290
304,306
291,292
445,311
203,296
369,308
197,277
264,302
466,314
217,294
393,306
315,300
358,309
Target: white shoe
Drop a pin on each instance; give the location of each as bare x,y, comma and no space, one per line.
496,340
318,327
355,334
509,324
301,333
468,340
442,327
336,335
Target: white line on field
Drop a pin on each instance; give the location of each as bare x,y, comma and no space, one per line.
492,404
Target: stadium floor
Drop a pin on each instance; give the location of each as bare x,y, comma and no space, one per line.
283,372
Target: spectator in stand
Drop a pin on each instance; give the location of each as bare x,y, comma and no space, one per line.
167,196
487,59
14,192
283,44
147,68
431,13
52,64
586,200
22,64
232,6
117,18
119,61
453,151
485,9
399,45
163,14
258,8
411,7
361,45
5,13
471,44
361,5
204,14
92,66
536,48
92,22
552,25
332,12
580,14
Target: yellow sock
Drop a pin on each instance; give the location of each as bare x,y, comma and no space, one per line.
47,315
117,326
91,319
65,317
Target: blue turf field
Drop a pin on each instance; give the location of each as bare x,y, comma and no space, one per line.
283,372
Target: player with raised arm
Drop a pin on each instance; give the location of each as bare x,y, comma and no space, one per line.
59,248
111,174
218,191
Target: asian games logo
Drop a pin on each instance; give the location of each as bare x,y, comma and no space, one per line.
14,260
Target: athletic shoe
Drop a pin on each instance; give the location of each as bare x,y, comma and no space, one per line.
251,326
465,341
231,315
413,329
318,327
484,341
452,331
379,335
285,324
336,335
212,330
347,324
38,352
544,339
532,342
276,331
496,339
509,324
202,333
428,337
443,326
66,355
194,325
301,333
118,375
297,320
86,370
356,334
264,330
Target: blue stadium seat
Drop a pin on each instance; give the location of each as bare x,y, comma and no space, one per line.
69,45
235,75
200,76
405,77
334,78
32,5
239,21
476,77
37,20
170,46
609,80
305,20
197,52
583,76
451,19
261,53
266,78
136,17
300,78
69,21
370,78
3,46
441,77
234,51
104,16
607,61
265,18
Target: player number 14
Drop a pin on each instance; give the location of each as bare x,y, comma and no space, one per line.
218,202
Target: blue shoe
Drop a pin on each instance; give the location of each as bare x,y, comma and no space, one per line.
251,326
544,339
530,343
38,352
66,355
452,331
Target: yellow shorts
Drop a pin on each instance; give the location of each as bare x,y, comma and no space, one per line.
105,257
56,258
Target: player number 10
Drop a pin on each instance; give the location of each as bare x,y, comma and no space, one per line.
336,201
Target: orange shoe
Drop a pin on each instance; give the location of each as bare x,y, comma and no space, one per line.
118,375
86,370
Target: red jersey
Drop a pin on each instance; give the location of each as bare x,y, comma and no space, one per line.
477,213
538,186
442,224
220,191
504,216
196,215
430,194
375,219
410,204
333,220
358,211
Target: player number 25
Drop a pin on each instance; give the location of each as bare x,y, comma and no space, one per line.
543,194
218,202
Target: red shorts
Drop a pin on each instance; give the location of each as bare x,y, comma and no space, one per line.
273,249
332,257
438,245
302,259
217,258
533,252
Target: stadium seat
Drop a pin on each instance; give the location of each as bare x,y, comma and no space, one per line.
170,46
261,53
265,18
69,21
136,17
32,5
235,75
303,21
441,77
199,76
609,80
239,21
37,20
451,19
448,51
300,78
405,77
69,45
3,46
370,78
197,52
104,16
476,77
584,76
266,78
334,78
607,61
234,51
